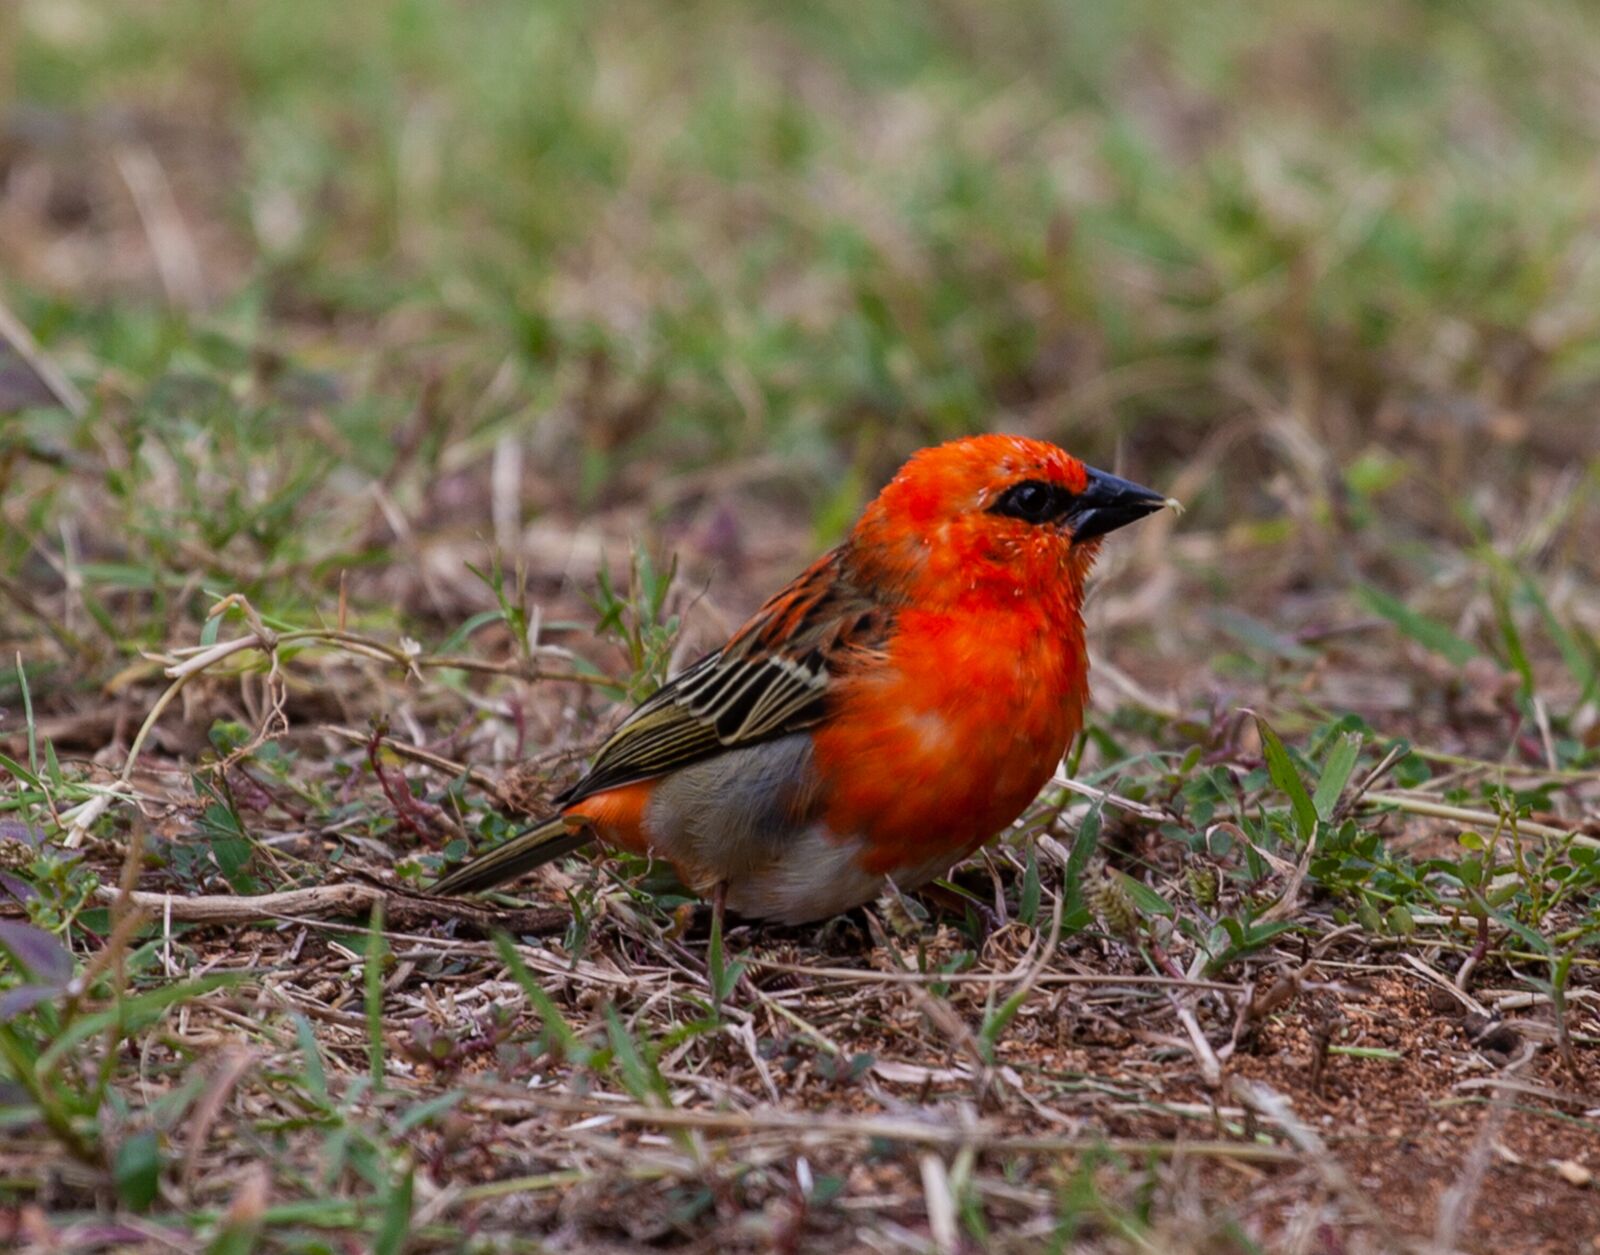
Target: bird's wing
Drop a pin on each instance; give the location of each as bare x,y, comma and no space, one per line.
772,678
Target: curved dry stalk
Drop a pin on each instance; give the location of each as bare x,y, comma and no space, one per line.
1465,815
346,898
823,1126
182,665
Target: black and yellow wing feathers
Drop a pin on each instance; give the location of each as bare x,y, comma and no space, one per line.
771,679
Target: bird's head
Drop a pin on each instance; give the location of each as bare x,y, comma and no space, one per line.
992,516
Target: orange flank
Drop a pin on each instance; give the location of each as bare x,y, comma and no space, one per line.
881,717
617,815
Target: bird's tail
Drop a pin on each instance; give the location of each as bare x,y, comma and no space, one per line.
534,848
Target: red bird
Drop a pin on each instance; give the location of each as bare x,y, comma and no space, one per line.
883,716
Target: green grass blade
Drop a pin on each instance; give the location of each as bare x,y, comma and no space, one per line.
1427,632
1336,774
561,1034
1287,777
372,975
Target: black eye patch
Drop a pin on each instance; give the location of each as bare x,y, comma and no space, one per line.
1034,501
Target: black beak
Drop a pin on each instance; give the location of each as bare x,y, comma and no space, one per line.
1107,504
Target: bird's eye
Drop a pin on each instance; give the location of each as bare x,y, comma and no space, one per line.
1033,501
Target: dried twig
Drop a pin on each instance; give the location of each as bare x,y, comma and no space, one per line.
347,898
1413,805
171,244
822,1126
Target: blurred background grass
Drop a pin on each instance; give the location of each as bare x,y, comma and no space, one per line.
345,280
829,232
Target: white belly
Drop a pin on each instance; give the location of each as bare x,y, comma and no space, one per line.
750,818
817,876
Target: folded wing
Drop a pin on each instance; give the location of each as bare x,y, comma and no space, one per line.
772,678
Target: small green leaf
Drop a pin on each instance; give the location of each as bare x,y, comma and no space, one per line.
377,948
13,768
1504,893
1259,934
996,1023
233,857
1287,778
457,640
138,1170
1411,771
1336,774
1144,897
316,1076
391,1239
1083,847
634,1068
724,976
1533,940
1028,906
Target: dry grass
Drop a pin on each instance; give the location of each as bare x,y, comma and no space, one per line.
344,359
